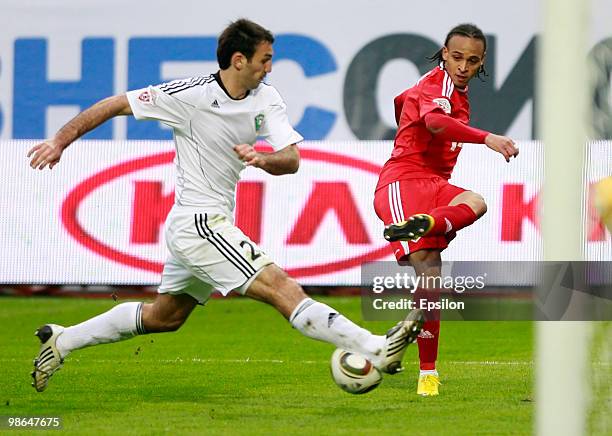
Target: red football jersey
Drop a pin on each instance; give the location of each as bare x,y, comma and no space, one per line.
416,152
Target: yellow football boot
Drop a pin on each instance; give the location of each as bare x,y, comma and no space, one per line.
428,385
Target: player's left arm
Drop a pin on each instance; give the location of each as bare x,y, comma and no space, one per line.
283,161
435,109
450,129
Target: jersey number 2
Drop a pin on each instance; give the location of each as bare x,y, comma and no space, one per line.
253,254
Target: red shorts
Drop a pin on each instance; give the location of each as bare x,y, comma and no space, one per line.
399,200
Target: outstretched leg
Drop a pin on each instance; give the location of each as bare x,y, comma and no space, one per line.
124,321
319,321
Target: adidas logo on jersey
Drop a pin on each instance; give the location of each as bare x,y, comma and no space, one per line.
215,104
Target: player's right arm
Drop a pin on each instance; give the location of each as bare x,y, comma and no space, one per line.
171,103
50,151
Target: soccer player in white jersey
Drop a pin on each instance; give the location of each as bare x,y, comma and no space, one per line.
216,119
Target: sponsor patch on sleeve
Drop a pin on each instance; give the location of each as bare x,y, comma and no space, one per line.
444,104
146,97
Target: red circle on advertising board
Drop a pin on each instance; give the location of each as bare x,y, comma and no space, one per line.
72,202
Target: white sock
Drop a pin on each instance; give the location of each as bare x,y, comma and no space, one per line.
428,372
319,321
123,321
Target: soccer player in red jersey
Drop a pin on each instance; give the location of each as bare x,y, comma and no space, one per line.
422,211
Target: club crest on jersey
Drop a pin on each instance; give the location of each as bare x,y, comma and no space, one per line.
444,104
258,122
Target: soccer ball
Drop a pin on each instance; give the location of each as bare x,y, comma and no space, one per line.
354,373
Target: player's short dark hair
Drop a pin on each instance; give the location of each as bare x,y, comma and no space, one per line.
466,29
240,36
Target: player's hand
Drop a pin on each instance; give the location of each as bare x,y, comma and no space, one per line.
503,145
249,156
45,153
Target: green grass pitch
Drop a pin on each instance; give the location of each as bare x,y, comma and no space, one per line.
237,367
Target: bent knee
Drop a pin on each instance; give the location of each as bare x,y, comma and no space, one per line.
478,205
482,208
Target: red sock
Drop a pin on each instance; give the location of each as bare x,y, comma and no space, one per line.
428,345
458,216
428,338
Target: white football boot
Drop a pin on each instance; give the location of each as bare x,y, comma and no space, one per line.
399,337
49,359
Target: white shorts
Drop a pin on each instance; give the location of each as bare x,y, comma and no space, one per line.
208,253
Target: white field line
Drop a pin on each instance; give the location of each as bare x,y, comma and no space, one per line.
308,362
311,362
277,361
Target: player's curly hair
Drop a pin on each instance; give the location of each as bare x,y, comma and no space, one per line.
240,36
466,29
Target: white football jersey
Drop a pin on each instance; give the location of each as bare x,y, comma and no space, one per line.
207,124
